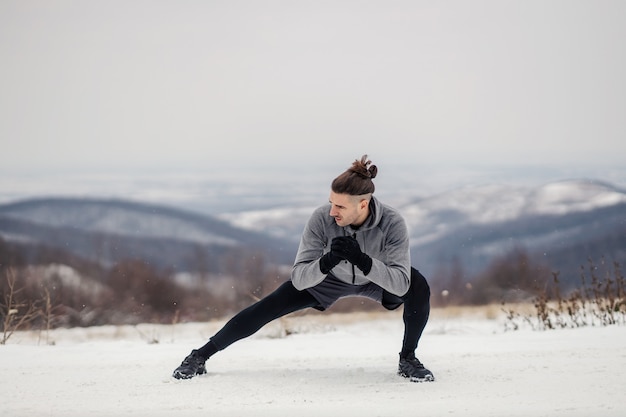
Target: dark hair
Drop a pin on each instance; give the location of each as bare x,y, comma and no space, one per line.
356,180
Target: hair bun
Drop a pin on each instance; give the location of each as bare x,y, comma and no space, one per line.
372,170
364,168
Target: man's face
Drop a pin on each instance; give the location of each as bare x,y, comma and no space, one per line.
348,209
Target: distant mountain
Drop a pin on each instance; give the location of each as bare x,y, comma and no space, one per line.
111,230
560,223
563,222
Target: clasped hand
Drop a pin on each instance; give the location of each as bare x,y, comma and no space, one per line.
346,247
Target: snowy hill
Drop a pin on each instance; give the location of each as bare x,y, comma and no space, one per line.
123,218
110,230
565,222
430,218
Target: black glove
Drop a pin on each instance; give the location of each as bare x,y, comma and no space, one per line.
348,248
328,262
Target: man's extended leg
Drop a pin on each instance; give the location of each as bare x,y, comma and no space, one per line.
284,300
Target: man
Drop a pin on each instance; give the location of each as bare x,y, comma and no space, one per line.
357,246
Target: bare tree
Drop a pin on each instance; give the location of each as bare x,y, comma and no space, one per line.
14,313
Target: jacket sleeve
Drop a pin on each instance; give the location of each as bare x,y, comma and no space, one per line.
313,243
394,274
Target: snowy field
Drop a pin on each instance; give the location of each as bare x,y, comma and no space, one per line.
333,365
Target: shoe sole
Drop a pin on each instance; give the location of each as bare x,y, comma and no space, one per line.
427,378
180,375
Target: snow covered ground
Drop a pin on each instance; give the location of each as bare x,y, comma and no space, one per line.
333,365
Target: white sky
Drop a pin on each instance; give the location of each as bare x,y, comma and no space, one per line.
104,86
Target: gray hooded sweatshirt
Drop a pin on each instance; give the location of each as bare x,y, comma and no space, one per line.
384,237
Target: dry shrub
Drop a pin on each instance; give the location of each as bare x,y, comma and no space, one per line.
598,301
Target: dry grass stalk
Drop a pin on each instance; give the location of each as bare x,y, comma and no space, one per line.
599,301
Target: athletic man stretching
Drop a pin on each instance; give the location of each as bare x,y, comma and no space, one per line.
354,246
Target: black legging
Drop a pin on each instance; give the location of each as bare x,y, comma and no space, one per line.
287,299
416,310
284,300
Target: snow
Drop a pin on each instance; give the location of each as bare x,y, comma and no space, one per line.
285,222
332,365
573,196
483,204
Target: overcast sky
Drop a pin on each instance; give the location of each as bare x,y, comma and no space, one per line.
170,86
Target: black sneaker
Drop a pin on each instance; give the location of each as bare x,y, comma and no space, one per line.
410,367
191,366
